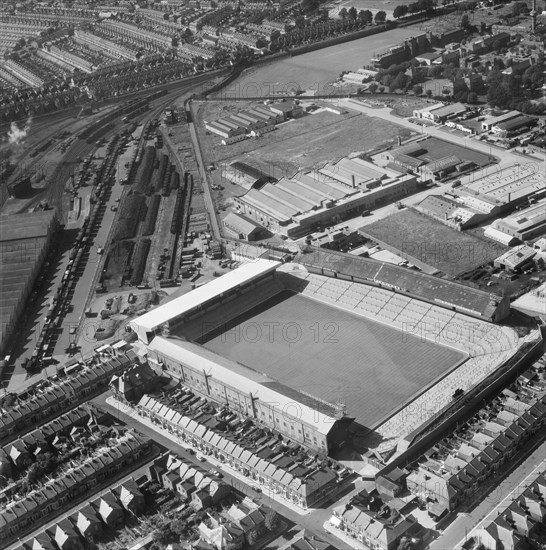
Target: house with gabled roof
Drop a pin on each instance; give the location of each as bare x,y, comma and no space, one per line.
130,497
109,509
87,522
66,536
248,516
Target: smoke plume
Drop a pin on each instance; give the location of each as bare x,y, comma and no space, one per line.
17,135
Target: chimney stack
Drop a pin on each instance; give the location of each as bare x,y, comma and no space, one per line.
354,183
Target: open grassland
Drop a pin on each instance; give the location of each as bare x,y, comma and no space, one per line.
334,355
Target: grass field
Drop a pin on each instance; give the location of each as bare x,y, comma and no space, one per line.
333,355
432,242
307,142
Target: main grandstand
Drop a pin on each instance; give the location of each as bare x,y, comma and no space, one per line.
307,349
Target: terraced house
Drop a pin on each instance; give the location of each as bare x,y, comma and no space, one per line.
23,512
285,475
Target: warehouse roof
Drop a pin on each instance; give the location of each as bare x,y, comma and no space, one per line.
516,123
525,219
508,184
25,226
240,224
448,110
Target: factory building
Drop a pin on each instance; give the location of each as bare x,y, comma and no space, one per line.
309,201
505,187
524,224
25,240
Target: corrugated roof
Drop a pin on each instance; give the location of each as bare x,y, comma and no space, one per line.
240,224
215,288
25,226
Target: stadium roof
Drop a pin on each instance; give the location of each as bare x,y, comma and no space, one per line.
179,306
421,285
267,390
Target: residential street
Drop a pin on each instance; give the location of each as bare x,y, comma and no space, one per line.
311,520
467,525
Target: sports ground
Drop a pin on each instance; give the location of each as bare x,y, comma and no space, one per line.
334,355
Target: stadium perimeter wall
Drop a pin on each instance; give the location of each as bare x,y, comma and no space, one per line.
464,408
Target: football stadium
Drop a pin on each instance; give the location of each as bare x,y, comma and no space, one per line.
308,351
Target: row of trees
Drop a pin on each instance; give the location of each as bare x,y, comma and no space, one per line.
421,6
328,28
364,16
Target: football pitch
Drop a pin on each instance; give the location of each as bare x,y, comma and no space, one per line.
333,355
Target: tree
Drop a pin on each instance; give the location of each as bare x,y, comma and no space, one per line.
380,17
353,13
518,8
400,11
271,519
429,93
405,544
472,98
343,13
309,6
417,89
465,22
366,16
372,87
163,535
437,72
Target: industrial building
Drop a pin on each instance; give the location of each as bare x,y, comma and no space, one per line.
242,228
516,258
256,118
311,200
524,224
439,112
25,240
505,187
514,126
244,175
